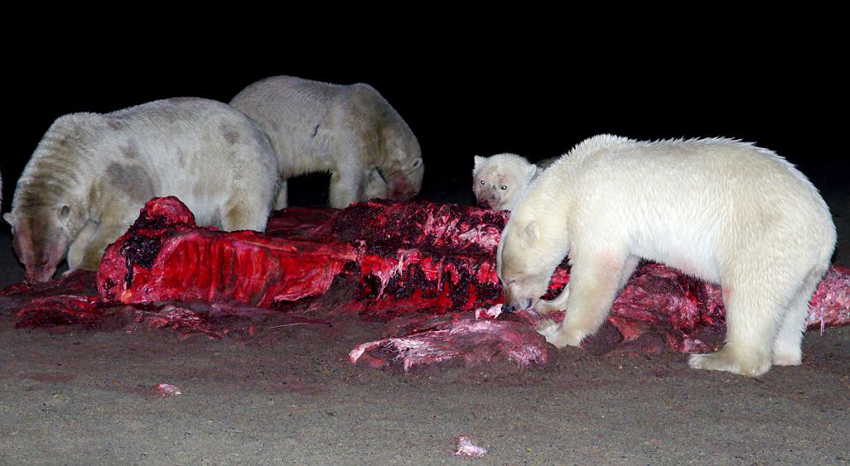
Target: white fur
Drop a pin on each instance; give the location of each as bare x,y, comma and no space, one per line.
721,210
97,171
376,187
499,181
344,130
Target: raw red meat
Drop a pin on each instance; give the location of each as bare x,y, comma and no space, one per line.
164,256
445,229
472,340
421,267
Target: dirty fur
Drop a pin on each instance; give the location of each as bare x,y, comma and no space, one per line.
92,173
721,210
345,130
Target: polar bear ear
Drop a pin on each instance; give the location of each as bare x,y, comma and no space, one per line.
9,217
478,160
531,171
530,235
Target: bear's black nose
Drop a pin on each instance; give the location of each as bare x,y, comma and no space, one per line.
507,308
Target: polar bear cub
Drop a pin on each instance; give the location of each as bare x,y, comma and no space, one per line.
499,181
718,209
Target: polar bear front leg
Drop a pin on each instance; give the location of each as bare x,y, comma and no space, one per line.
594,283
77,250
280,201
558,304
347,186
105,234
247,210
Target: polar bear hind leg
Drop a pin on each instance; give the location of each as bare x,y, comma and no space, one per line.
756,301
788,345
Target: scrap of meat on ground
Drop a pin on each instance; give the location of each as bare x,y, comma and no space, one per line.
427,270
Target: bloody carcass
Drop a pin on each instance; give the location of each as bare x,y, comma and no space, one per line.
421,267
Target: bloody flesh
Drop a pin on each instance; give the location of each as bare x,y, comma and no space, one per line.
419,266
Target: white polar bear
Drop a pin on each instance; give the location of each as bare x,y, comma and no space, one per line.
500,180
91,174
721,210
344,130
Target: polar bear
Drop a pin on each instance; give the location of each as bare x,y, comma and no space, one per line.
721,210
500,180
91,174
344,130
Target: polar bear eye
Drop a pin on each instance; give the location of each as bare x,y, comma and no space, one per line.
482,181
504,187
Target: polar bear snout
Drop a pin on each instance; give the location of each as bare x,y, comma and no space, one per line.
515,301
400,187
523,305
38,243
40,260
403,192
490,199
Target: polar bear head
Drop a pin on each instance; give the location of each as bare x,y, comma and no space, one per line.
500,181
402,167
47,210
530,249
41,237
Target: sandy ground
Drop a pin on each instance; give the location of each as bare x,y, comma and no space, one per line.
288,396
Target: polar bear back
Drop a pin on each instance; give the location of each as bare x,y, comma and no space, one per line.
304,119
709,199
199,150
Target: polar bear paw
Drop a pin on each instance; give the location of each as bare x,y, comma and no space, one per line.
789,357
750,365
545,307
555,334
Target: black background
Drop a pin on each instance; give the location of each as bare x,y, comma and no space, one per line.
475,98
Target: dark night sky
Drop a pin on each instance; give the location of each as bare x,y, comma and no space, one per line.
461,103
